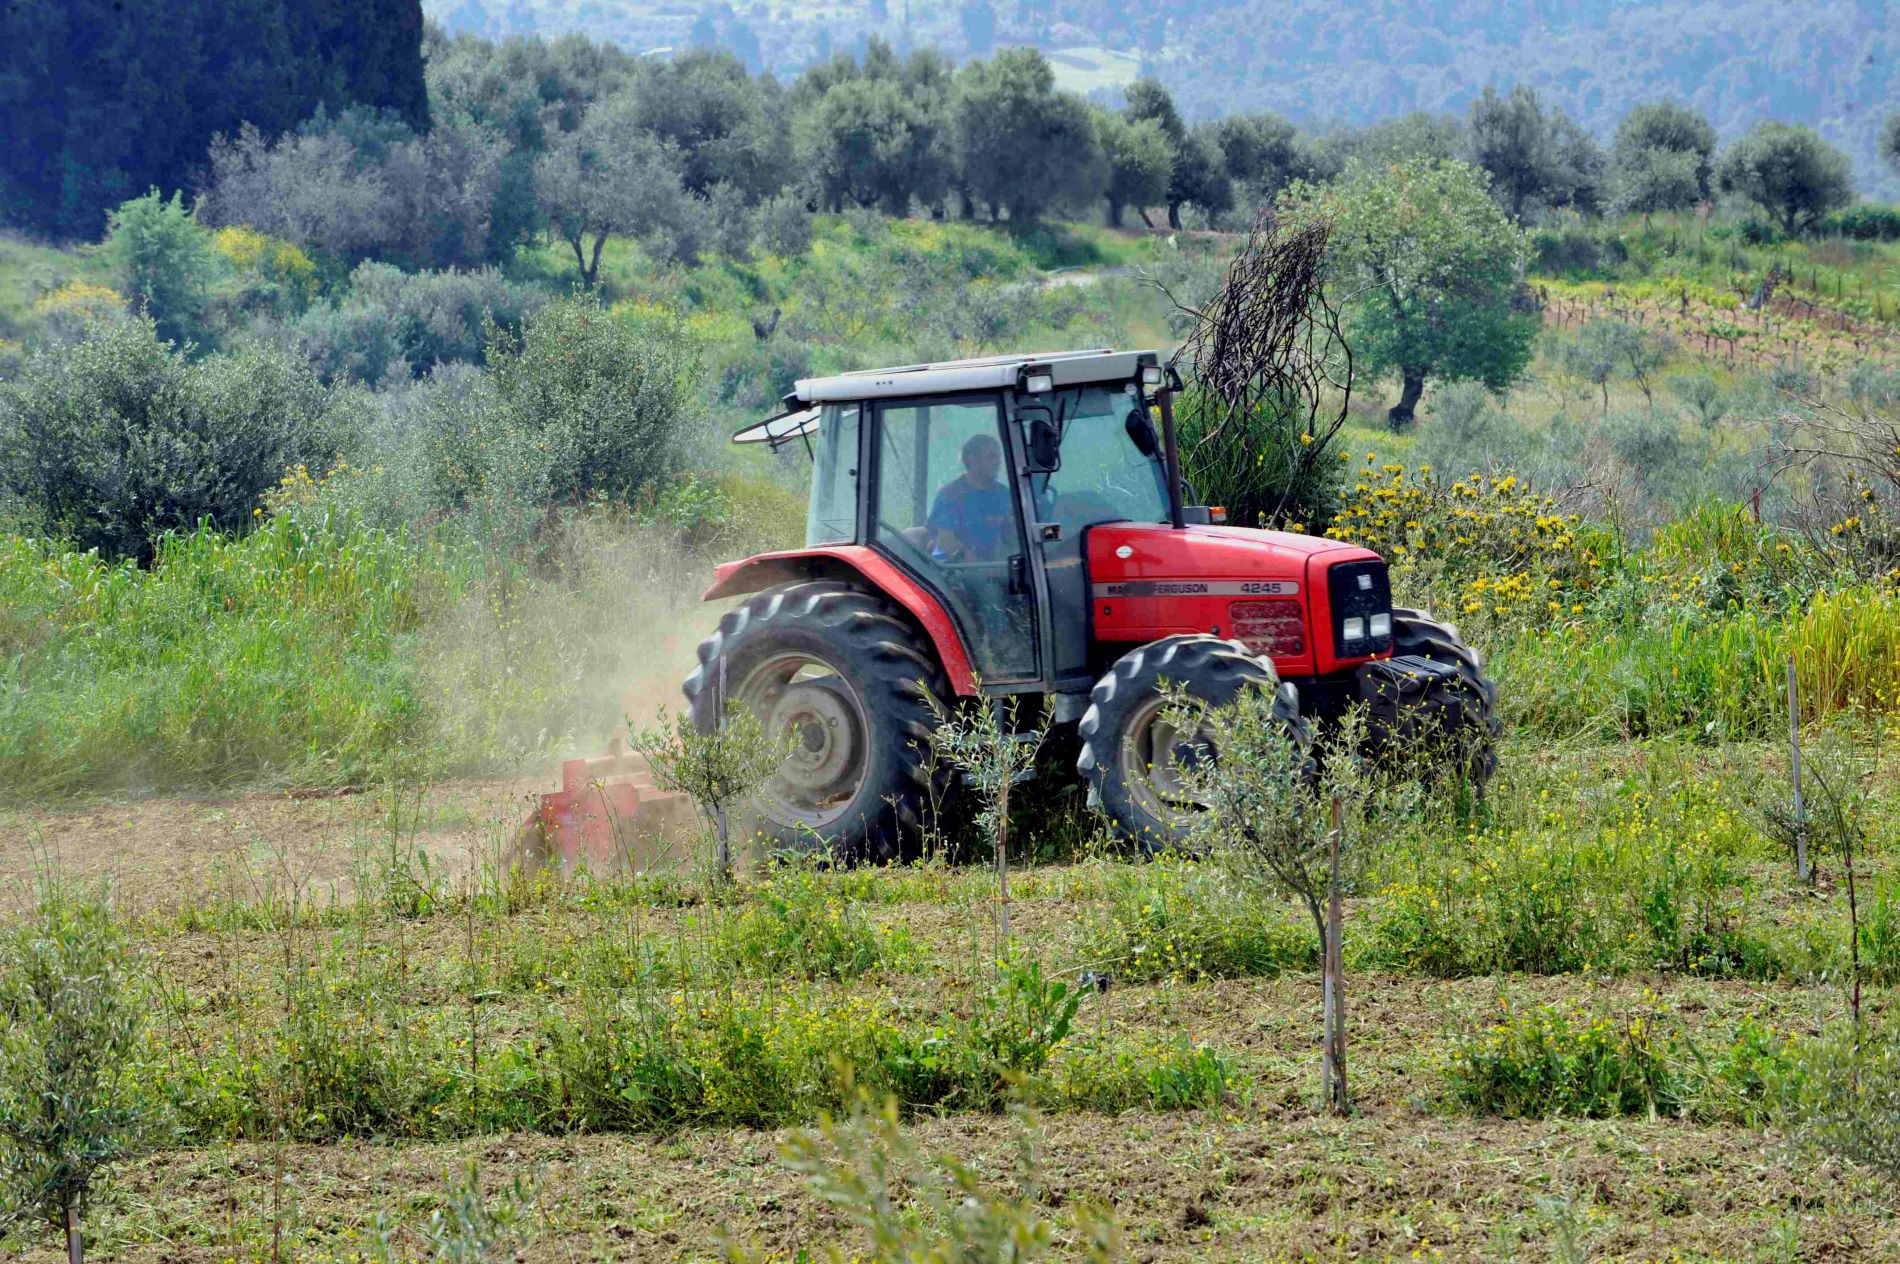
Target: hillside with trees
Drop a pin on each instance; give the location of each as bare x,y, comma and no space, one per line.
1832,67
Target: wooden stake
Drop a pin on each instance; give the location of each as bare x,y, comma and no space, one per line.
719,816
1337,1099
1801,869
1002,838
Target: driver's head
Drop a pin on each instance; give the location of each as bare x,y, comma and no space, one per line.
982,457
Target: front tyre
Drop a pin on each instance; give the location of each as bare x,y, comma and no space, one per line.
1132,758
1432,709
846,682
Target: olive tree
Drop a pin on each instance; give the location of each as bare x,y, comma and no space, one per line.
1536,159
1139,163
1431,267
609,177
1788,171
69,1024
1021,145
1663,159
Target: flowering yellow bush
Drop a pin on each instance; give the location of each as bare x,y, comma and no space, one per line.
80,299
271,258
1485,546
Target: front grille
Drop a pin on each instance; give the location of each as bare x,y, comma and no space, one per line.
1276,628
1359,592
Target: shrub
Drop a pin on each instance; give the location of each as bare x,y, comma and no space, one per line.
1487,547
796,929
69,313
1564,1061
360,184
606,400
273,655
396,323
1866,221
1153,1074
1570,247
121,438
912,1206
273,269
165,261
1186,919
784,225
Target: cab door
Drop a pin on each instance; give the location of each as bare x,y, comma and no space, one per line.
946,507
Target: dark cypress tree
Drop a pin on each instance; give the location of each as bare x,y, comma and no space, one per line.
104,99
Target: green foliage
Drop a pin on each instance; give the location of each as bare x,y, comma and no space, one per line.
798,930
1149,1075
1864,221
73,1024
717,768
1846,1097
228,658
1009,106
165,261
607,178
119,439
1140,163
1536,161
469,1228
584,404
1432,265
358,184
876,142
1788,171
1563,1061
391,324
1178,918
1663,159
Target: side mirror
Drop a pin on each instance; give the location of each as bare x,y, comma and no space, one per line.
1141,432
1045,441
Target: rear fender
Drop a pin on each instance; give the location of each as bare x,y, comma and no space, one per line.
865,568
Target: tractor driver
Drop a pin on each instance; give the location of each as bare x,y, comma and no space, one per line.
973,517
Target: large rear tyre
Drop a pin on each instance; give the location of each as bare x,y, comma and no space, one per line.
1132,757
839,675
1444,712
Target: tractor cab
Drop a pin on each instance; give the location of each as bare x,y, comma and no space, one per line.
1009,525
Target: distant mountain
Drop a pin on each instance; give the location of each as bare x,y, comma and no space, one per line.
1833,64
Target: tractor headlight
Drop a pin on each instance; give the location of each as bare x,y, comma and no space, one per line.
1151,375
1354,629
1039,383
1380,626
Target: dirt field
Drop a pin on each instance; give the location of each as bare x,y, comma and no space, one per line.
161,853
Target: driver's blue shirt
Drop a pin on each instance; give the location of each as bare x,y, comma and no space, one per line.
981,518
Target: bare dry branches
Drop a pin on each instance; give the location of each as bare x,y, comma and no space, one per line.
1270,368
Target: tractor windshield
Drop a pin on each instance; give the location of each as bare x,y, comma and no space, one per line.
1111,464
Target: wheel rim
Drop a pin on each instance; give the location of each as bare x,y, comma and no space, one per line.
1153,756
803,701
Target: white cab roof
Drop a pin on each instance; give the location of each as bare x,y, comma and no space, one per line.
1068,368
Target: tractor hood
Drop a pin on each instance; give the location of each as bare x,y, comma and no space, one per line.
1148,580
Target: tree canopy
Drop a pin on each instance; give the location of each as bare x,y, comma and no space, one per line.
1788,171
1430,265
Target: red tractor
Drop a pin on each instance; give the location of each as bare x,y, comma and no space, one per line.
1017,525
